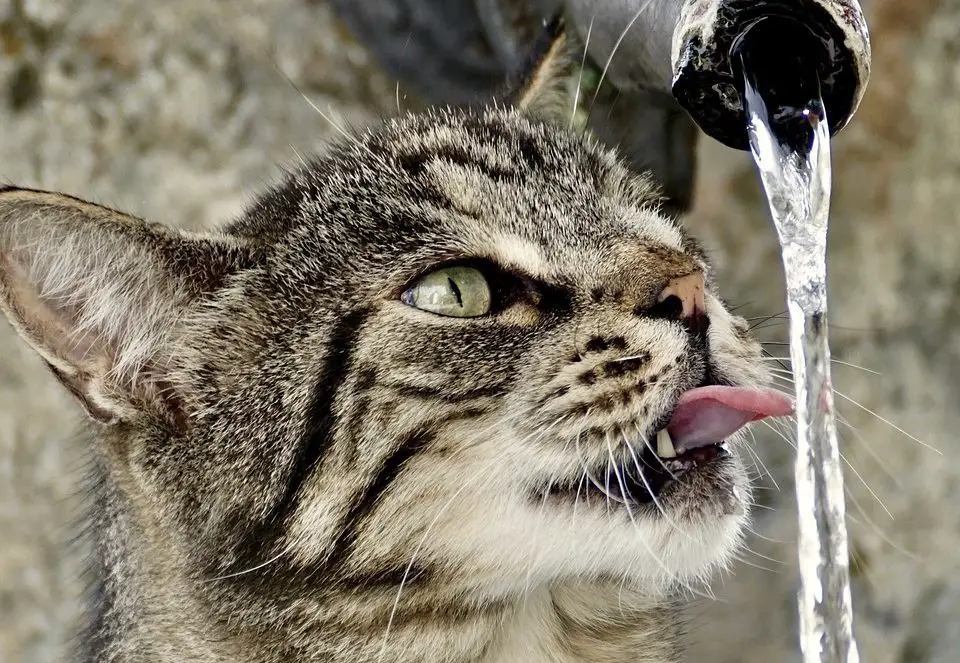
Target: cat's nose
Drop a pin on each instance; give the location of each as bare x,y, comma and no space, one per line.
683,298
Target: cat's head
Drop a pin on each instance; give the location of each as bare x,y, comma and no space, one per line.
442,351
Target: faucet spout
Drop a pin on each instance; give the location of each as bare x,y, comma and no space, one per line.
829,37
688,49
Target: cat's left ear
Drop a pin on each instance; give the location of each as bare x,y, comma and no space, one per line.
100,295
545,86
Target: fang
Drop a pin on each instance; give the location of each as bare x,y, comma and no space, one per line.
665,445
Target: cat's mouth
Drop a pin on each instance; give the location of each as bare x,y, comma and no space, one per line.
701,421
644,475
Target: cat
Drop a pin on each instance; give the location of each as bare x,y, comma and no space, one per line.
454,391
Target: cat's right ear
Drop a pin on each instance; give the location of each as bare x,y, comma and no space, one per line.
543,86
99,294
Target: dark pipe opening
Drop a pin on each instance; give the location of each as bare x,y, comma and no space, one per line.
782,60
787,43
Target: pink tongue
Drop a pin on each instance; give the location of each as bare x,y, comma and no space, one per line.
708,415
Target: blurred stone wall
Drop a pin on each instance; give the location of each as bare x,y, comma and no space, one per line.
177,111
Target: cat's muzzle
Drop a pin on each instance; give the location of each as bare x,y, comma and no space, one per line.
647,470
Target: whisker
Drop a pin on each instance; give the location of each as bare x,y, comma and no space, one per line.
583,63
764,538
300,157
832,360
646,484
786,373
845,462
889,423
583,464
773,324
779,360
616,47
867,486
764,319
861,567
273,559
603,488
413,557
581,485
744,560
753,459
873,454
350,137
844,422
872,413
876,529
757,459
856,366
762,488
630,358
606,483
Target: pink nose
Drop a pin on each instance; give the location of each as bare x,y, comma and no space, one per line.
688,294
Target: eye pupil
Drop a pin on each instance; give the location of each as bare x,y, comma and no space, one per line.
456,291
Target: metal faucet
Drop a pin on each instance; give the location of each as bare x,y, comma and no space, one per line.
673,63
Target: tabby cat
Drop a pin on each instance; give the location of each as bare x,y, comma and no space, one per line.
455,392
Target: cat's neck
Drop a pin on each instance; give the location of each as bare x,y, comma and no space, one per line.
595,622
574,623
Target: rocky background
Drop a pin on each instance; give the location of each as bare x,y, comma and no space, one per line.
177,110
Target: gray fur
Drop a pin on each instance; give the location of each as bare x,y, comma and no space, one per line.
282,446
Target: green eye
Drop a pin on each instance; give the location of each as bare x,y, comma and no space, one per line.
460,292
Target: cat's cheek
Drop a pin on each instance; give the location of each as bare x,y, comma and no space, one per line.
735,355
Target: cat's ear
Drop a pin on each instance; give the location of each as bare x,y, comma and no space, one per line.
98,295
545,86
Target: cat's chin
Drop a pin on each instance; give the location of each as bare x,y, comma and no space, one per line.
684,516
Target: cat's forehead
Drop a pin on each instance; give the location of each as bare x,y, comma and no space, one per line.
530,179
539,199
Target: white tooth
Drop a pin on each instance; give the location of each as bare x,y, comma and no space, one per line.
665,445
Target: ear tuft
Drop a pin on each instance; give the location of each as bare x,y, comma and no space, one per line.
545,86
98,295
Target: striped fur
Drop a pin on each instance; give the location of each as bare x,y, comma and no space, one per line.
293,465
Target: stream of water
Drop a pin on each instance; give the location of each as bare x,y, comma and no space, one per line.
791,148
